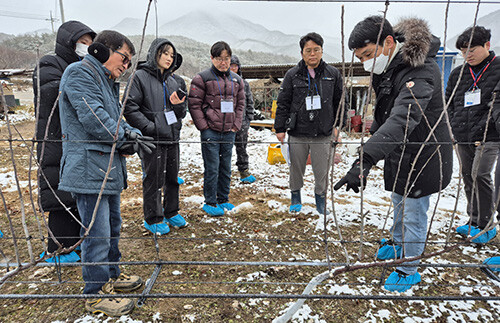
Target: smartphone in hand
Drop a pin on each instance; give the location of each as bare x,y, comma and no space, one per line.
181,94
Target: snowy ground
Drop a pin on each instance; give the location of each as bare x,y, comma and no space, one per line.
273,179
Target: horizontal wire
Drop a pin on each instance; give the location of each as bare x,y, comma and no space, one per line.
245,263
260,296
273,240
375,1
343,142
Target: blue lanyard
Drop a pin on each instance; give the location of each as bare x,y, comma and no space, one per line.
165,93
309,84
220,91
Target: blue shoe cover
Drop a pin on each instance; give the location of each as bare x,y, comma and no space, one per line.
295,208
388,250
248,180
485,237
180,181
66,258
226,206
397,282
493,261
213,210
176,221
158,228
1,234
464,229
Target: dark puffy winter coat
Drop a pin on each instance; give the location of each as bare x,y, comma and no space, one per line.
469,123
292,97
249,106
398,117
145,106
495,101
205,100
51,70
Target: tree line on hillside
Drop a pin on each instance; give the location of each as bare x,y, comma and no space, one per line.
21,52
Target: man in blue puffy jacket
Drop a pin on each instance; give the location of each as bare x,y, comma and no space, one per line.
91,124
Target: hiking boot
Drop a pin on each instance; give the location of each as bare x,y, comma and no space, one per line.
388,250
399,281
158,228
125,283
296,204
485,237
321,204
226,206
213,210
176,221
110,306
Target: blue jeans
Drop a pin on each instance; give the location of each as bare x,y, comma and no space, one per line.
101,245
410,227
217,149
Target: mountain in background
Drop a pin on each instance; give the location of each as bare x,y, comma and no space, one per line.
240,33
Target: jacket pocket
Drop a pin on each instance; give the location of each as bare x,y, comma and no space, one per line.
97,166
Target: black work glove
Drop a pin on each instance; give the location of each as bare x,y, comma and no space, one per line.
354,176
137,143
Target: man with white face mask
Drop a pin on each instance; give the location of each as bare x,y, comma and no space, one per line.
407,84
73,39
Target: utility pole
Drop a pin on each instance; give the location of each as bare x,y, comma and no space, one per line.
51,20
62,11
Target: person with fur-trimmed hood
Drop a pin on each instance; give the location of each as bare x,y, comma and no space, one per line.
241,140
407,84
154,107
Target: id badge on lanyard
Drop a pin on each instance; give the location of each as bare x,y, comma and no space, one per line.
170,116
313,103
226,106
472,98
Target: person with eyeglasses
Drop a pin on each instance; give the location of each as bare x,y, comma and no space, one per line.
309,111
216,103
473,126
154,107
90,112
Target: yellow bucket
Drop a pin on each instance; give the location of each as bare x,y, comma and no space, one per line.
274,155
274,106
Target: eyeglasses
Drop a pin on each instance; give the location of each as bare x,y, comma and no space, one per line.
471,51
316,50
125,59
223,59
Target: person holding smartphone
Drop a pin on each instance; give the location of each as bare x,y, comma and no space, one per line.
156,105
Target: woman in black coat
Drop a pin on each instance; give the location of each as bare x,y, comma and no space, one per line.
156,105
73,39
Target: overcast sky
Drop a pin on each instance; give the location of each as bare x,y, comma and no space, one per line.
288,17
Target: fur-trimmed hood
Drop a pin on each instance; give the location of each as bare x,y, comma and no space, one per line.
418,41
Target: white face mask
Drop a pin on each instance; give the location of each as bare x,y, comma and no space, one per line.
81,49
380,64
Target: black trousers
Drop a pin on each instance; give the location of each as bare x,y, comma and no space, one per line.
161,169
64,227
240,141
477,164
